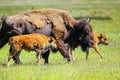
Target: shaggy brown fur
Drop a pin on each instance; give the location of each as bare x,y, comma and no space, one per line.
58,18
98,39
32,42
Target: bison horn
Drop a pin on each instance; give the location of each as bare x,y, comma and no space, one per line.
88,20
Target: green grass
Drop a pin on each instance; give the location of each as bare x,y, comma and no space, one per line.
105,18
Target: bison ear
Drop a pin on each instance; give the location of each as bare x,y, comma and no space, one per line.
2,19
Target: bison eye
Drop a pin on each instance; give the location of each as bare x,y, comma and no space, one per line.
30,23
105,39
84,29
12,24
87,32
20,25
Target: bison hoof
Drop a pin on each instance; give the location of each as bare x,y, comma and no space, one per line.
8,64
36,63
46,63
70,61
101,57
18,62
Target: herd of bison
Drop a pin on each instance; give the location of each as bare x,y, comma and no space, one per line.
43,30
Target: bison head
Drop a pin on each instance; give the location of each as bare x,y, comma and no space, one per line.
85,33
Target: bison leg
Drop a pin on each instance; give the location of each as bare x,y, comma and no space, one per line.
45,56
71,53
87,53
63,50
17,59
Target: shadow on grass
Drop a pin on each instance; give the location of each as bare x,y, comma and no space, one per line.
3,64
95,17
31,64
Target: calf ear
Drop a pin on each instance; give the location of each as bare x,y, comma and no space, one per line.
100,36
51,40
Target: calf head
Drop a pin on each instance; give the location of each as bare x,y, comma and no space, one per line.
103,39
53,44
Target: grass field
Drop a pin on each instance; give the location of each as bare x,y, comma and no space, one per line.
105,18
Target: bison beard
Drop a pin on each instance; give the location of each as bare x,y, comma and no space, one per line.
51,22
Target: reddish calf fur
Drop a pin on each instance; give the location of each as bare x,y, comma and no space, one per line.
32,42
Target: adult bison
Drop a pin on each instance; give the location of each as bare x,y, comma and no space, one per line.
51,22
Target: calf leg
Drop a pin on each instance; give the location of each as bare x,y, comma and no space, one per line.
10,57
63,49
38,56
45,56
97,50
15,57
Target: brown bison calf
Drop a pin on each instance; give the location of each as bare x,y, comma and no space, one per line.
98,39
32,42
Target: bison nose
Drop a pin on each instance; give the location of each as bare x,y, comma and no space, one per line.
107,44
91,43
87,32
